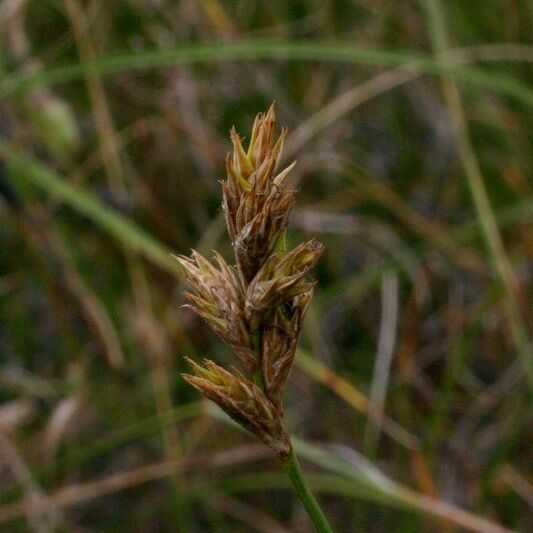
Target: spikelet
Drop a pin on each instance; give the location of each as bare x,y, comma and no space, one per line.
280,279
242,400
257,308
219,301
279,339
256,201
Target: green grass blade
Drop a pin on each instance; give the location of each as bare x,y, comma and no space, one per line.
19,83
29,170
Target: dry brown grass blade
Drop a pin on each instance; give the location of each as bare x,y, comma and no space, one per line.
517,482
81,493
386,348
451,514
17,412
346,102
49,517
354,397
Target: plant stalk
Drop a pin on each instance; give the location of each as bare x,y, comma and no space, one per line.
291,465
294,471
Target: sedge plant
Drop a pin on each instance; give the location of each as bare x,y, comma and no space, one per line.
257,306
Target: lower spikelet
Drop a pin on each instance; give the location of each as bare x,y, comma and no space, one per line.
242,400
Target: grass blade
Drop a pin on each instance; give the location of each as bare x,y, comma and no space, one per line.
18,83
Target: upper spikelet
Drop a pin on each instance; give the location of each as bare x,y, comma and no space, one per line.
256,201
280,278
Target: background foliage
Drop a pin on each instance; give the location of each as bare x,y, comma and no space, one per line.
409,121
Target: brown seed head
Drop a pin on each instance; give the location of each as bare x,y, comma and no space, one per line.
279,339
256,202
258,312
242,400
280,278
219,301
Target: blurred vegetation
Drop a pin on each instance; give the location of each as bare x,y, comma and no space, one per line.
410,122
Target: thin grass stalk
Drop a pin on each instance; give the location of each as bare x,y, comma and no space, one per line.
295,474
487,220
19,83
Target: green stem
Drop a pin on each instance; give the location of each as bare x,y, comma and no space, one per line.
290,462
293,470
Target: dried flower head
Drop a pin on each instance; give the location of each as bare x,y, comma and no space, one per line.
279,279
258,307
219,301
242,400
256,201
